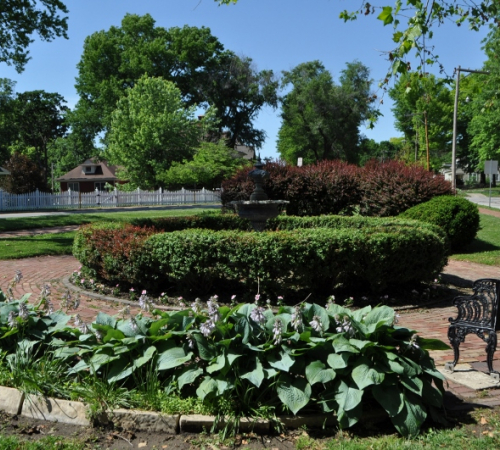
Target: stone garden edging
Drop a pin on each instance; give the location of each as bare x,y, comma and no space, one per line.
38,407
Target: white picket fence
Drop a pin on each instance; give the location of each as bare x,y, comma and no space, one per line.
73,199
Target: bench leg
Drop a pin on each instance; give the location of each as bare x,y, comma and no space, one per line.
455,340
491,346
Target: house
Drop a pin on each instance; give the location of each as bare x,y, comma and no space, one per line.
88,177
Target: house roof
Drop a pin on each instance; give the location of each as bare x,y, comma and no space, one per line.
4,171
100,172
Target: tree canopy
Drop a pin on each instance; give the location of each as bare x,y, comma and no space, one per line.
150,129
321,119
20,19
192,58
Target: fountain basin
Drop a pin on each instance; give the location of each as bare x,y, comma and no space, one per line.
258,211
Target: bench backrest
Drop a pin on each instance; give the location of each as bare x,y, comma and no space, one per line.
481,308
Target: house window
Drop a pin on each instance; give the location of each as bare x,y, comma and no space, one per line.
100,185
88,169
74,186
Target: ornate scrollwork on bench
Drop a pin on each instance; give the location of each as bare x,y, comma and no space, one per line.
477,314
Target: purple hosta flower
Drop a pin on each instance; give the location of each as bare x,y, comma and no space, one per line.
132,290
207,327
197,306
84,329
10,294
190,341
76,302
133,324
18,277
23,311
98,335
11,320
233,297
345,326
77,320
144,302
316,324
413,341
297,322
257,315
257,298
396,319
45,291
277,331
268,302
213,309
331,301
125,311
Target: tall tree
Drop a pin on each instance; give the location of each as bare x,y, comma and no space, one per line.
238,92
150,129
7,128
25,176
321,119
423,109
20,19
211,164
190,57
39,120
485,123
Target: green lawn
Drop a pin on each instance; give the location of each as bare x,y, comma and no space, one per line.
29,223
62,243
485,249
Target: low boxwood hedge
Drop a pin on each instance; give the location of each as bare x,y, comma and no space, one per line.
458,217
304,255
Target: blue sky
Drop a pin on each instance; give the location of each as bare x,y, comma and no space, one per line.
276,34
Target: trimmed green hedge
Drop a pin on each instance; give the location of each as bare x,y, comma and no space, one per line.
458,217
305,255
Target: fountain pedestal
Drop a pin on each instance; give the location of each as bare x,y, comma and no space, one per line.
259,209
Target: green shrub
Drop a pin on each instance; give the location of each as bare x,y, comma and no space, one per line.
305,255
307,359
458,217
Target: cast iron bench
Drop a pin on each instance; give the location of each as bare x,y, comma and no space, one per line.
478,314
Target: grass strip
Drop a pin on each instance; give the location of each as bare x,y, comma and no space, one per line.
30,223
485,248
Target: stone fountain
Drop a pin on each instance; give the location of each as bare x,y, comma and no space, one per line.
259,209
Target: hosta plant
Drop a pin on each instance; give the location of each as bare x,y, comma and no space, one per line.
306,358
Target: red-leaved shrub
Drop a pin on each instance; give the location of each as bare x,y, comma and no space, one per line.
392,187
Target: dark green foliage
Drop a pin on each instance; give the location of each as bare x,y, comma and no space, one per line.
25,176
306,358
306,255
458,217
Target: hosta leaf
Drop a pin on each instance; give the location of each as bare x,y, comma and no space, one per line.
348,397
378,317
349,418
148,355
112,334
364,375
295,394
105,319
172,358
316,372
411,417
100,360
218,364
282,362
341,344
390,398
81,365
255,376
205,351
207,386
188,376
414,384
432,344
338,361
119,370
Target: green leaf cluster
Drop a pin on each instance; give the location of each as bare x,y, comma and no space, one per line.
307,358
